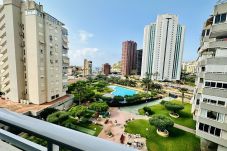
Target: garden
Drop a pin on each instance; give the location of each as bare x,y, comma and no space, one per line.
178,112
177,139
94,89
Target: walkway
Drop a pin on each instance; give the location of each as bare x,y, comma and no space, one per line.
186,129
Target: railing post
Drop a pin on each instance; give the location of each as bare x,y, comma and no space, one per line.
52,147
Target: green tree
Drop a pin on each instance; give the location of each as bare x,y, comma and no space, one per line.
147,82
44,114
80,90
174,108
183,91
99,106
58,117
161,122
78,111
118,99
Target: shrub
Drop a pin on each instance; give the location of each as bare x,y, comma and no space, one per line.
99,106
148,110
58,117
44,114
118,99
163,102
173,107
78,111
106,99
161,122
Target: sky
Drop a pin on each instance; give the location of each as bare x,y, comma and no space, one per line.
97,28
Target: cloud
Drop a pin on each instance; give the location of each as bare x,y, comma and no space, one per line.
77,56
85,36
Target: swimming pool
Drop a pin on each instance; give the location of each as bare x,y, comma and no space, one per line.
120,91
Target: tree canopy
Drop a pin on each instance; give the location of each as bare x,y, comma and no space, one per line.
161,122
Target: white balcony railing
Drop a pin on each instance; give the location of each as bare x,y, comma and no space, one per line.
55,135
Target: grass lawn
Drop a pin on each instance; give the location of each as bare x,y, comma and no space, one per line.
185,119
177,141
91,129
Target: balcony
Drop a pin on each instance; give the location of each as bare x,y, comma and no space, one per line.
215,92
65,60
218,30
216,77
211,138
55,135
222,43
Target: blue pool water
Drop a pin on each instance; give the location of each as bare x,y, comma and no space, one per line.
120,91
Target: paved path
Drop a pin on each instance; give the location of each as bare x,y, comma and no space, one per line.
184,128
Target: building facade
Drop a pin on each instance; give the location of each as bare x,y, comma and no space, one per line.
139,56
128,63
87,70
189,67
33,49
163,48
210,95
106,69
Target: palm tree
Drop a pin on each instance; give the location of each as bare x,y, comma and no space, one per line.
147,82
183,91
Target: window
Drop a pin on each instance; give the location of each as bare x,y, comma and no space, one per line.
51,38
225,85
212,115
217,132
197,102
205,100
219,85
201,125
206,128
213,101
207,84
203,69
212,130
213,84
223,18
53,97
208,32
41,51
201,80
203,33
217,19
222,103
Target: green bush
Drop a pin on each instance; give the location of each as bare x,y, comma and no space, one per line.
118,99
106,99
58,117
173,107
78,111
148,110
44,114
163,102
161,122
99,106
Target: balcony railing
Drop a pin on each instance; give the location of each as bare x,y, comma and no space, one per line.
55,135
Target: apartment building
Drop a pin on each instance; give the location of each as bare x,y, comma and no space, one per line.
87,69
139,56
106,69
163,48
189,67
128,62
210,95
33,53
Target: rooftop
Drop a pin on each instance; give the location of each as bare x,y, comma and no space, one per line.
25,108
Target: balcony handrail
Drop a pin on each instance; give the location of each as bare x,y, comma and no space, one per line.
59,135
